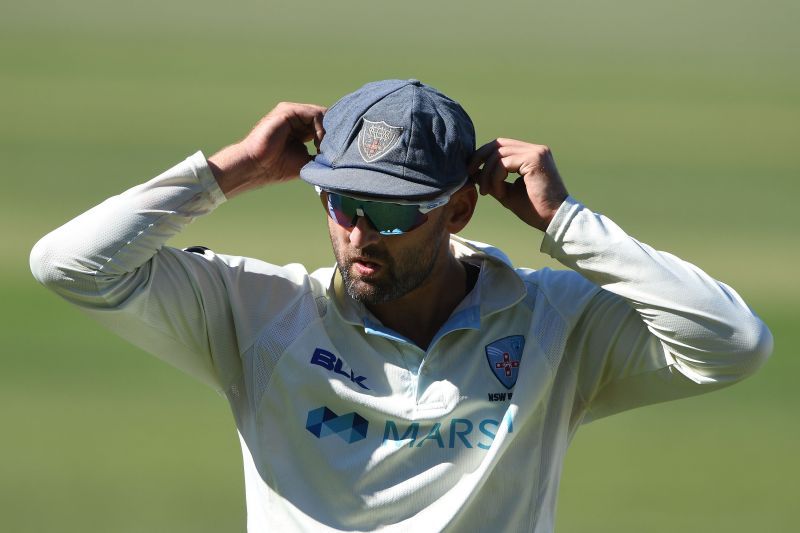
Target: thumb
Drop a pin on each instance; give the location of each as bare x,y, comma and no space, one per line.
511,195
514,197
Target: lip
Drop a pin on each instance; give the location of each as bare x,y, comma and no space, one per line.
365,267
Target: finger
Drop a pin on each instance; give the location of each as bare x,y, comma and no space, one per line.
483,176
300,128
506,150
306,112
505,194
305,120
480,155
518,161
505,141
515,196
497,178
319,130
501,145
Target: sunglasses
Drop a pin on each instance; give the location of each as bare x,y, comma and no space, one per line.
393,217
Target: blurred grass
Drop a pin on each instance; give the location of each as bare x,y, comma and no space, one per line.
677,120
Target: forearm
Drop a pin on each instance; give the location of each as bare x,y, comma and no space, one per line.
90,258
703,324
234,170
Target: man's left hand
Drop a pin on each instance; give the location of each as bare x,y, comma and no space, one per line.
535,195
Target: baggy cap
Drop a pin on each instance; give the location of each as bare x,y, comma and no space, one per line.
393,139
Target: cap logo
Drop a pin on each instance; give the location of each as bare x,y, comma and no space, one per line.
376,139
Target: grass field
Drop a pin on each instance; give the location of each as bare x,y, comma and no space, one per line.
679,121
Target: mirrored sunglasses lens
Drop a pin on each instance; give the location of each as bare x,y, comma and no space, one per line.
342,210
392,219
387,218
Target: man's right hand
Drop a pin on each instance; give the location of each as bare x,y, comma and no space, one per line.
274,151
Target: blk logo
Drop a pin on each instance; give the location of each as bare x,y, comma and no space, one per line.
351,427
329,361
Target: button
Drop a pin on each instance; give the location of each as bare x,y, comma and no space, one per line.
416,82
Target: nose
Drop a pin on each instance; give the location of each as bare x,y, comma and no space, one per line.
363,233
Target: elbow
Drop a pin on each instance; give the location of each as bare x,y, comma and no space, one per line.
757,346
58,264
732,358
43,264
60,271
751,346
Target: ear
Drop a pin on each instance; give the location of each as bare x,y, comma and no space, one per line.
460,208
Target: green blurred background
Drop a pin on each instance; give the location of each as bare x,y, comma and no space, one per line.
677,119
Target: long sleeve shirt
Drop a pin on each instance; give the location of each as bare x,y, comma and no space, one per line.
344,424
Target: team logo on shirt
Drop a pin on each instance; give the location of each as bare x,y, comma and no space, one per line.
376,138
351,427
504,357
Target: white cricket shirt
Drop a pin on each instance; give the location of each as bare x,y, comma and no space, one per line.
347,426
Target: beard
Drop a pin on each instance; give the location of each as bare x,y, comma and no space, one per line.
398,275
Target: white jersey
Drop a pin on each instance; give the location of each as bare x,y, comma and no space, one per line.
347,426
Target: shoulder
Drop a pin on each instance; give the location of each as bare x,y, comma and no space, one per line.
250,277
565,290
259,294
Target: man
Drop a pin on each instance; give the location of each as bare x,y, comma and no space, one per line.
424,383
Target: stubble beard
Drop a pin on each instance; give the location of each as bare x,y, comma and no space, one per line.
398,275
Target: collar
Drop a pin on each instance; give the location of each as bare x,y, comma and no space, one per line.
498,288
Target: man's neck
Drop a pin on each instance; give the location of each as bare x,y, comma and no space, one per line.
420,314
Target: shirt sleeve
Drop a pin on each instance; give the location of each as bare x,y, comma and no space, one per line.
660,329
111,261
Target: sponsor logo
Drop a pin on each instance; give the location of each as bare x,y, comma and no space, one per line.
330,362
376,138
455,433
446,434
351,427
504,357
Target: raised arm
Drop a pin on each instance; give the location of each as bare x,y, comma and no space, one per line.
274,151
661,328
111,260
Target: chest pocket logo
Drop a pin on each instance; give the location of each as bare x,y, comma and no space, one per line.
504,357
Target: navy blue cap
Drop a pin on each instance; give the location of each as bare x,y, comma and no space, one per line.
393,139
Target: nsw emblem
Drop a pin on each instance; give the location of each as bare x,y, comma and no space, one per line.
504,357
376,139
